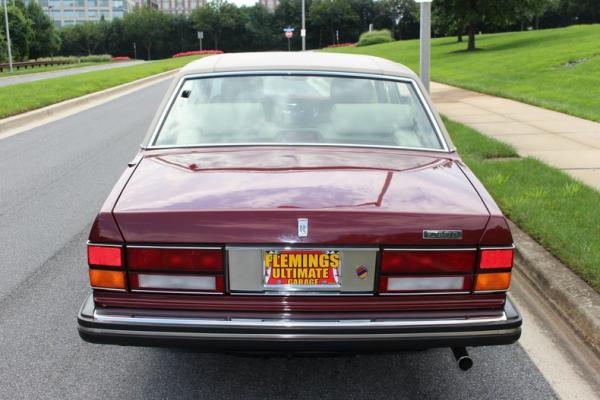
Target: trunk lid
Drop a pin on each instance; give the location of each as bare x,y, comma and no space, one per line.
350,196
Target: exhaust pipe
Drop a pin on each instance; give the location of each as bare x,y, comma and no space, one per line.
465,362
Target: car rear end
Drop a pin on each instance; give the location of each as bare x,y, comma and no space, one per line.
298,298
331,215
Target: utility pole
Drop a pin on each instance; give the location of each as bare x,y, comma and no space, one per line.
303,31
425,41
8,44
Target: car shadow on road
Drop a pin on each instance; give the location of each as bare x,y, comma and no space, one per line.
499,373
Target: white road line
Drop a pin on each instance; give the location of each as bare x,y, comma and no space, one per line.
562,357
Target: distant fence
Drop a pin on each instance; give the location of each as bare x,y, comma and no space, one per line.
32,64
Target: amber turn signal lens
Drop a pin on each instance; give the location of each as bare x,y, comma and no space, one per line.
107,279
495,281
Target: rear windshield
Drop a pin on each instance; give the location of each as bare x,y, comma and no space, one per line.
297,109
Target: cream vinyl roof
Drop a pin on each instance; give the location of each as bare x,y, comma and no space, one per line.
300,61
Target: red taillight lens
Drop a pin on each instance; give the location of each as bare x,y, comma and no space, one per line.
496,258
105,256
174,259
399,261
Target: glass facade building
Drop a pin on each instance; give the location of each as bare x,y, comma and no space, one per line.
69,12
180,6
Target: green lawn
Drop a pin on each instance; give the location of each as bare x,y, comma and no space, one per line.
558,211
28,96
557,69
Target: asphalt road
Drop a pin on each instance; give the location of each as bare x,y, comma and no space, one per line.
53,180
13,80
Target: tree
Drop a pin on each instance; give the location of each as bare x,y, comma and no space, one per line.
471,13
218,18
45,40
21,33
398,16
147,26
261,30
333,15
581,11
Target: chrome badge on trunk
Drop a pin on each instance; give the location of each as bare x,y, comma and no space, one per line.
302,227
443,234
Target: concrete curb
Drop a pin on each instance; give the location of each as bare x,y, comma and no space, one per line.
575,300
20,122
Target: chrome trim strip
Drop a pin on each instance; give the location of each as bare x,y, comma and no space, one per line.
329,293
431,249
300,247
103,244
135,246
268,144
295,336
175,291
490,291
434,123
109,289
421,293
265,323
511,247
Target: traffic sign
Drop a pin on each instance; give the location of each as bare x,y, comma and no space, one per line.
289,34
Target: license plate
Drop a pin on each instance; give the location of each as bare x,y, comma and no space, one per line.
302,268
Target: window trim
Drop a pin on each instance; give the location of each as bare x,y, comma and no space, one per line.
149,145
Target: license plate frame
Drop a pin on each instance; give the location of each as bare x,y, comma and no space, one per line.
290,269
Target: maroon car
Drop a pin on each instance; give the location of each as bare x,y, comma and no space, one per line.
289,202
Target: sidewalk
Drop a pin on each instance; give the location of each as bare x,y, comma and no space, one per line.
569,143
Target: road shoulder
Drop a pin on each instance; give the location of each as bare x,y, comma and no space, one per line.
575,300
22,122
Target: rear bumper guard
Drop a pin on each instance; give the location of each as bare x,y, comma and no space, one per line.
132,327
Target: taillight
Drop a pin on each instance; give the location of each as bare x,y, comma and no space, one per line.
427,270
106,267
494,272
105,256
445,270
418,284
176,269
177,283
496,258
174,259
400,261
103,279
492,282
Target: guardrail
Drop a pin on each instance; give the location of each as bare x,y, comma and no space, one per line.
32,64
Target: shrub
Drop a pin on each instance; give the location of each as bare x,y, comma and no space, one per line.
375,37
120,58
96,58
197,53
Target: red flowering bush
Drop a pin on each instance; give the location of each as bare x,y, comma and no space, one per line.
331,46
197,53
120,58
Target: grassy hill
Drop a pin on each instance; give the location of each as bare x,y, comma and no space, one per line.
557,69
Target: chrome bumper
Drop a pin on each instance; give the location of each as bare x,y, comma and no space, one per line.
136,327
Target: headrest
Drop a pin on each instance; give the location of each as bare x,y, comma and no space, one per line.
352,91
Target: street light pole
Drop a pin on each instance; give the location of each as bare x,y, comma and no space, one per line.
425,41
303,31
8,45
